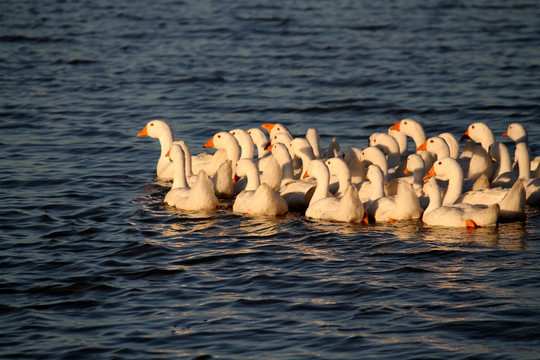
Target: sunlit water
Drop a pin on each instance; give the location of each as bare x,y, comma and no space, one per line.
95,266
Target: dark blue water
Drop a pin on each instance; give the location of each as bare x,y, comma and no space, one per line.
93,265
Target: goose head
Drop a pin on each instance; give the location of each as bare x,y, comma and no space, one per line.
437,146
480,133
411,128
516,132
156,129
445,169
275,128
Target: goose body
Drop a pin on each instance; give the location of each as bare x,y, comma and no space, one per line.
511,201
323,205
201,197
404,205
256,198
294,191
466,215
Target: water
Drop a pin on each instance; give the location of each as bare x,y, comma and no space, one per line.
95,266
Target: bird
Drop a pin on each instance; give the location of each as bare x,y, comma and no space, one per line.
159,129
324,206
403,206
463,215
511,201
256,198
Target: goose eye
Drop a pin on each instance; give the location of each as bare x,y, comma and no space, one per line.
151,124
472,126
232,133
249,132
328,162
440,163
431,141
278,128
404,123
375,140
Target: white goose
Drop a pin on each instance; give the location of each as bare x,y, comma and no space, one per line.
511,201
180,187
247,146
268,167
295,192
517,132
312,136
323,205
303,150
256,198
200,197
480,162
388,145
227,143
159,129
403,206
260,140
453,144
414,130
466,215
401,139
338,168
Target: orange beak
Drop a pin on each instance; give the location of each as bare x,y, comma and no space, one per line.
235,179
395,126
465,136
209,143
306,175
268,146
406,171
268,127
505,134
168,153
143,132
423,146
430,173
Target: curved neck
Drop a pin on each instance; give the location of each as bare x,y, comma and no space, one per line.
487,139
418,135
523,159
287,171
377,187
418,177
253,178
323,180
505,164
187,157
166,141
435,200
455,186
179,180
344,179
246,145
233,152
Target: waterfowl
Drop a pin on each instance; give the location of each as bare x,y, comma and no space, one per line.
511,201
256,198
404,205
323,205
180,187
464,215
159,129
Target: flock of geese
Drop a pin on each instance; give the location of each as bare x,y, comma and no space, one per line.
269,173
